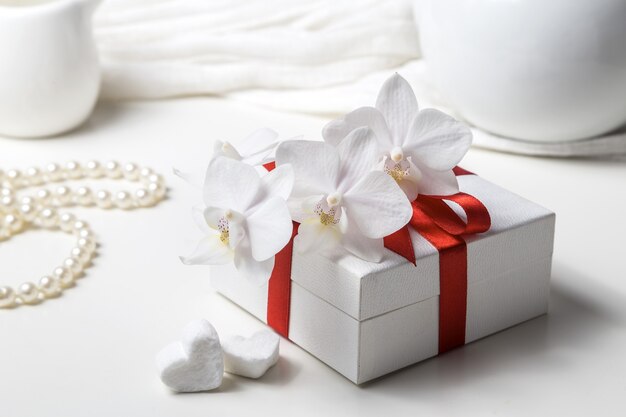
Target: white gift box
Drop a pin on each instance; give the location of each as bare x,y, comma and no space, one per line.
368,319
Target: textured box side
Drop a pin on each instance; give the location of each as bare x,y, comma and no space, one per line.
410,334
515,297
365,350
398,339
324,331
315,325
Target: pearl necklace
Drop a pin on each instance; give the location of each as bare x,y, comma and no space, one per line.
40,211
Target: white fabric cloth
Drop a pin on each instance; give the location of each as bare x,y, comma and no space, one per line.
324,57
164,48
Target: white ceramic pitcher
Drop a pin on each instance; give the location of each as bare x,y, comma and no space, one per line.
49,72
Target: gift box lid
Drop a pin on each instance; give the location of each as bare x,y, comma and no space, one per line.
521,233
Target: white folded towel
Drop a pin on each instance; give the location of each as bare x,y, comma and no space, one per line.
324,57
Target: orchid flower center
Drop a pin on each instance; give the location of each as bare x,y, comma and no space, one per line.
397,170
328,213
396,154
333,199
223,227
226,147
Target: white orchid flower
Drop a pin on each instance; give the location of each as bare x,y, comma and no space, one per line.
255,149
246,219
340,199
418,148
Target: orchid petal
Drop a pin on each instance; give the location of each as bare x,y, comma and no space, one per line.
210,251
303,208
359,154
335,131
254,271
193,178
371,250
258,141
269,228
278,182
438,182
206,218
377,205
314,236
230,184
226,149
410,184
410,188
439,141
259,158
396,101
315,165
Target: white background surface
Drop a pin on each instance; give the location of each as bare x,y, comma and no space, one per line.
91,352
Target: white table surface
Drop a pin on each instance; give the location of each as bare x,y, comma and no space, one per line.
91,352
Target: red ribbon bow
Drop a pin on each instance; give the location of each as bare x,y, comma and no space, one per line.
438,223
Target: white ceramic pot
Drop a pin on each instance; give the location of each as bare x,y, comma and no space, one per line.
537,70
49,72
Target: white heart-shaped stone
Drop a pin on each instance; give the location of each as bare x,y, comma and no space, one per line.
196,362
253,356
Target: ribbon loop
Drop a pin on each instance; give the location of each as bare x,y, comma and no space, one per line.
435,207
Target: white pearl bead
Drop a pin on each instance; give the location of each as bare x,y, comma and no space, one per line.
14,178
74,265
7,297
86,234
28,293
53,173
73,170
13,223
113,170
28,212
49,286
47,218
66,222
4,191
34,176
88,245
43,196
79,225
83,196
93,169
28,200
103,199
145,172
123,200
64,275
155,178
144,198
81,255
131,172
63,195
157,190
7,201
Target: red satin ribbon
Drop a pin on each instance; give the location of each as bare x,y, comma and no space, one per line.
442,227
279,289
